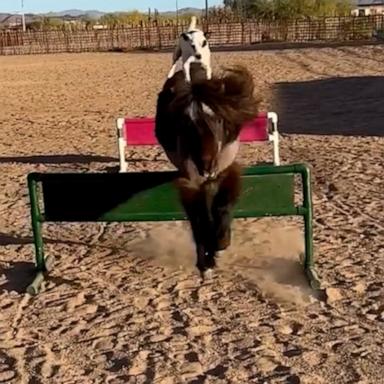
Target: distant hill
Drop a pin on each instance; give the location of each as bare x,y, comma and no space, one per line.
94,14
6,18
9,17
183,11
76,13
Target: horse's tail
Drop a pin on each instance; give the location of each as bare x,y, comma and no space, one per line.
229,97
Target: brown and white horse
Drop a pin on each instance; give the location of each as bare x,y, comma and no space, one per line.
198,125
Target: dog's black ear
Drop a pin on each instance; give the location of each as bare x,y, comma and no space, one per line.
207,34
185,36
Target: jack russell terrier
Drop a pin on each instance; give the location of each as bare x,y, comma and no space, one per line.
192,47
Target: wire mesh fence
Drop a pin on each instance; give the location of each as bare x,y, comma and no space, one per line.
161,36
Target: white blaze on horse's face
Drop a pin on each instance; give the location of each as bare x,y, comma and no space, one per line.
213,163
207,110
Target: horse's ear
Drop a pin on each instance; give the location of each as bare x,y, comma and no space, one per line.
185,36
207,35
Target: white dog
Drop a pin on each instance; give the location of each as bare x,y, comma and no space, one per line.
192,47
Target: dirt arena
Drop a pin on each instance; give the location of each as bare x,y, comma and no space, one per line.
124,303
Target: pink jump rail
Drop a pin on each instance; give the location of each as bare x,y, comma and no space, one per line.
141,131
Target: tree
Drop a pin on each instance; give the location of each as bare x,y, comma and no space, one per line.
289,9
109,19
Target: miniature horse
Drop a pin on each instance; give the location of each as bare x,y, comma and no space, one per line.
198,125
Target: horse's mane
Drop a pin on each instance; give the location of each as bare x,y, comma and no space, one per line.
230,97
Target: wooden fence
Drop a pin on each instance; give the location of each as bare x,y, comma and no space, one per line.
163,36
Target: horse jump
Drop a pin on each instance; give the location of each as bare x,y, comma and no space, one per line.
151,196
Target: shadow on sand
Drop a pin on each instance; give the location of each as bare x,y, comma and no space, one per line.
348,106
19,274
58,159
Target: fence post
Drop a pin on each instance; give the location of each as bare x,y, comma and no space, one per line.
159,35
353,29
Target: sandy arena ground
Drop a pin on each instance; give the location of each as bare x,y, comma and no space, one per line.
124,303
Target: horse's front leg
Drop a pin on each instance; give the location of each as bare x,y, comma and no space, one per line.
190,199
194,204
203,234
208,194
225,199
223,227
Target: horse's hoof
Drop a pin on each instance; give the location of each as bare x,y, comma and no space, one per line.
224,242
223,245
207,274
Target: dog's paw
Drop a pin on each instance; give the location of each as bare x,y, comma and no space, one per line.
188,77
209,73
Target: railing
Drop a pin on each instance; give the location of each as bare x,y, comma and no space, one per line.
157,36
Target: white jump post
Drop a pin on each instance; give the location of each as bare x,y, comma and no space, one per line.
274,137
121,144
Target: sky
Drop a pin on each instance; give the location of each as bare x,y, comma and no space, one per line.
37,6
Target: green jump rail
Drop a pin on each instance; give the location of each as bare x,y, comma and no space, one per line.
267,190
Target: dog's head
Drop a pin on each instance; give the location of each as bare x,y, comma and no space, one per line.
195,43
